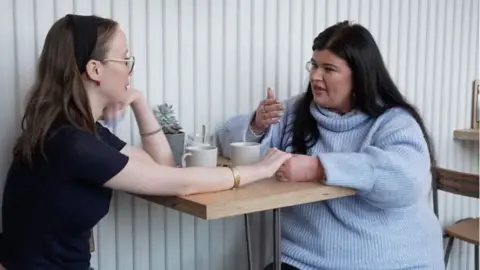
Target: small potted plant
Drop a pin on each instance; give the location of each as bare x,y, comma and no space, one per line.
171,128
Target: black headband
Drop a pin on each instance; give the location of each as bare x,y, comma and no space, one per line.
84,30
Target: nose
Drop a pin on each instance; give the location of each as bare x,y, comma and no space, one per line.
316,74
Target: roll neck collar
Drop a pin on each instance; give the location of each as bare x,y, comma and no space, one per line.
337,122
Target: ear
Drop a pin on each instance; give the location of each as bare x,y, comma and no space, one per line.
94,70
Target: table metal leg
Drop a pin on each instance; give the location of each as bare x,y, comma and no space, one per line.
277,260
249,243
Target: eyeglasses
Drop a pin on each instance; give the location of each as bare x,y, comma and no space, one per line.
310,65
129,61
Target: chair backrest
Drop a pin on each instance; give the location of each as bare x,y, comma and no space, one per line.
460,183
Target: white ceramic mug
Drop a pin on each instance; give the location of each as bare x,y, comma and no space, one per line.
244,153
200,156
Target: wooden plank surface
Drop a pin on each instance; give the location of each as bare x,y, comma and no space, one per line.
466,134
259,196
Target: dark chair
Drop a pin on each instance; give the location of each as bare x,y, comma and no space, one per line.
463,184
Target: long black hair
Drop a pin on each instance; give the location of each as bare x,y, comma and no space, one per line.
375,92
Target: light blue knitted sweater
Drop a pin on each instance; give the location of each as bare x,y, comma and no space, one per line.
389,224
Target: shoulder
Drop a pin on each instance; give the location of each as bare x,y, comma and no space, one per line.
70,140
396,119
109,138
69,135
85,155
398,124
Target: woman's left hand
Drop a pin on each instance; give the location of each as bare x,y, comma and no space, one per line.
300,168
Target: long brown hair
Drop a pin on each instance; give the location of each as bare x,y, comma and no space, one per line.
58,93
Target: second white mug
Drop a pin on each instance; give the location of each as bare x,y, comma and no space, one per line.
200,156
244,153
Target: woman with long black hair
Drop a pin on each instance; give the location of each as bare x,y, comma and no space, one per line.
351,128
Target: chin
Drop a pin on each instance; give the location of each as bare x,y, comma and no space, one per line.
321,101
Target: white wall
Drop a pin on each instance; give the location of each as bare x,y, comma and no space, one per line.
213,59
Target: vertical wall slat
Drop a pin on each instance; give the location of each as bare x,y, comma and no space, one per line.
212,59
9,118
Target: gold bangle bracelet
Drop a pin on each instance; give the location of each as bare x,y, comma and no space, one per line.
236,177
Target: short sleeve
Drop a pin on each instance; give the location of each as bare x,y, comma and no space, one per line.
110,138
85,156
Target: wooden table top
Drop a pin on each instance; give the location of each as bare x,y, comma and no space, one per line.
263,195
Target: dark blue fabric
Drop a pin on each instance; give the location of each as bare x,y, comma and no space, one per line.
49,210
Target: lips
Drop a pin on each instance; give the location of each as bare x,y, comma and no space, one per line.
318,89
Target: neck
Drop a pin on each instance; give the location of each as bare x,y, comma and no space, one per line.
345,108
97,104
341,112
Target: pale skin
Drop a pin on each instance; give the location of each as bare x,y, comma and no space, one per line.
150,170
331,81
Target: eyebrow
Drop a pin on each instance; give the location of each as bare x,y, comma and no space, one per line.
325,64
330,65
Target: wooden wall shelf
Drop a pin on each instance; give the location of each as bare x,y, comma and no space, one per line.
466,134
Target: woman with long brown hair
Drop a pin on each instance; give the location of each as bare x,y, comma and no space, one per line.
66,165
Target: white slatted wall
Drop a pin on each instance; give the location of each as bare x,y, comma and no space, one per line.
213,59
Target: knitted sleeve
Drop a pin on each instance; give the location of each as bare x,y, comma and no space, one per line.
237,129
392,172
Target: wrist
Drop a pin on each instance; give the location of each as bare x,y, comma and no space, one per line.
256,129
249,174
319,171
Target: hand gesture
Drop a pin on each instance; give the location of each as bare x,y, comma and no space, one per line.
272,160
268,112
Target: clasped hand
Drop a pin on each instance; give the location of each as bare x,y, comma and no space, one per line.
300,168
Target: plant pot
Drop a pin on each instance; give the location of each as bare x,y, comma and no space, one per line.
177,145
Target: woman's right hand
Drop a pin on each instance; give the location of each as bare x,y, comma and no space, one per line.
268,112
272,161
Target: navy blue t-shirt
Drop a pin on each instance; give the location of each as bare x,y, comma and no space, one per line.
49,210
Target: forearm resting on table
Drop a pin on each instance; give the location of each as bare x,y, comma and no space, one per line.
152,179
385,179
156,145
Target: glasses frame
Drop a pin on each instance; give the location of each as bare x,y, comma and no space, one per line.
308,65
130,59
